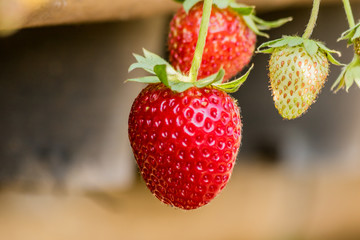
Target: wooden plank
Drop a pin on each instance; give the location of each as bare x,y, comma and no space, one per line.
16,14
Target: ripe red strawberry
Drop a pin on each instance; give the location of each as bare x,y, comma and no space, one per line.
230,43
298,69
185,144
230,40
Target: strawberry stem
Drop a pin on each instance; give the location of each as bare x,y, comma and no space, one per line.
312,21
200,45
349,14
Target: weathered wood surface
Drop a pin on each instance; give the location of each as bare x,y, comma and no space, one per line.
15,14
258,204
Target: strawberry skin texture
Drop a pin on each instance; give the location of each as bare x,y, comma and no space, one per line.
229,44
185,144
296,79
357,46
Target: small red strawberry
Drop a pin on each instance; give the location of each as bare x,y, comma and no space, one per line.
298,69
185,144
230,40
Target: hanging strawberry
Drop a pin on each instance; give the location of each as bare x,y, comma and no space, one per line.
230,41
185,132
298,69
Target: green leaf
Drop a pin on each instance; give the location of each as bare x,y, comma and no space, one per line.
340,82
281,43
222,3
333,60
241,9
329,53
310,46
357,81
217,77
171,81
349,75
188,4
153,57
295,41
291,41
160,71
251,24
147,79
267,44
148,62
351,34
234,85
354,73
181,86
266,25
323,47
356,34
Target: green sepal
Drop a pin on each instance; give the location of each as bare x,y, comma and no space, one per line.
350,74
148,62
310,46
160,71
147,79
222,4
217,77
239,8
351,34
171,81
188,4
257,25
176,81
329,53
234,85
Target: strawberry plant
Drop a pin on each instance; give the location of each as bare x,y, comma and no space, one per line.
230,40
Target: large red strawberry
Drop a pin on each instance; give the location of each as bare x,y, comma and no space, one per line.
185,143
230,42
185,134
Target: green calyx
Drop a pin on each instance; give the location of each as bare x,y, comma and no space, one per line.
256,24
312,47
351,34
349,75
163,72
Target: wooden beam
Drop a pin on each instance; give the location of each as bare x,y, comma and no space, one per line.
16,14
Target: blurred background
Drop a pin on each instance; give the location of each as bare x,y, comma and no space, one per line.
66,168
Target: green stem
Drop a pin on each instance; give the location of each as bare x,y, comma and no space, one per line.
201,40
349,14
312,21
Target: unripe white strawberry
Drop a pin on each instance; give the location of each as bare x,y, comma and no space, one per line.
298,69
357,46
296,79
